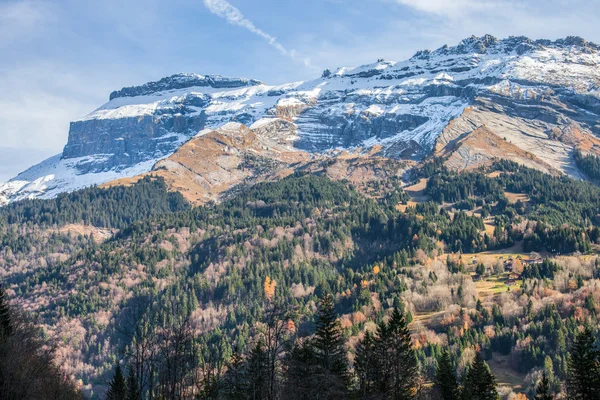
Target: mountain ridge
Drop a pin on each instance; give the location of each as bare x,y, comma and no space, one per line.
535,86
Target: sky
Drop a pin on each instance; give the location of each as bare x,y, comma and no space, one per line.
60,59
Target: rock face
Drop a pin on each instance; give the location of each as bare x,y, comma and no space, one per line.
530,92
184,81
213,164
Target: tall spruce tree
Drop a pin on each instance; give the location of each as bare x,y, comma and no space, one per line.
133,389
331,356
235,382
301,375
383,358
542,391
257,373
479,383
365,366
404,367
583,375
445,378
118,386
397,369
5,321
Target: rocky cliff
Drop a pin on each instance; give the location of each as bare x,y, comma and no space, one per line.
541,96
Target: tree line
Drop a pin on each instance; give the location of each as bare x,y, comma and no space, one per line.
114,207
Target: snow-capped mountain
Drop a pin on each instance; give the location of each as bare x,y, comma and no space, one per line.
542,87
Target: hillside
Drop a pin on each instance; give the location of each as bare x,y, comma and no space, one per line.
217,269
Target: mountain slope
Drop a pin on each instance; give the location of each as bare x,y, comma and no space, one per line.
532,90
214,162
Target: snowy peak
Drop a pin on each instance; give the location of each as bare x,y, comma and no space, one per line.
531,90
519,45
183,81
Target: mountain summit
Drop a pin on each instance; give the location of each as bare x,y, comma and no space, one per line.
532,101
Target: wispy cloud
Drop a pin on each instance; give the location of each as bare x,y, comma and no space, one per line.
234,16
445,7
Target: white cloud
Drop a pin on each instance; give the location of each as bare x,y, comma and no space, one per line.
442,6
234,16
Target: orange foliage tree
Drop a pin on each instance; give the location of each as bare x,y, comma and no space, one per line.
269,288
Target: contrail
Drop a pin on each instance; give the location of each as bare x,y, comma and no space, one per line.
232,15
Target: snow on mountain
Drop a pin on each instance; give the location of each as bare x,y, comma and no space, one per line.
57,175
402,106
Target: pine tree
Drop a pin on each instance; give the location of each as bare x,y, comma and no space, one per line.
235,382
404,367
257,373
133,391
445,378
583,377
542,391
301,375
118,386
365,365
479,384
5,321
331,356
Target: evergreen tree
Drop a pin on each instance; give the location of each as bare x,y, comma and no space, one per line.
583,377
118,386
383,358
235,382
257,373
445,378
479,383
404,367
542,391
133,390
365,365
301,376
331,356
5,322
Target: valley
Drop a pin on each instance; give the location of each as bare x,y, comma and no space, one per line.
370,231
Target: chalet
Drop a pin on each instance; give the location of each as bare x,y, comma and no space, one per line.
534,261
514,276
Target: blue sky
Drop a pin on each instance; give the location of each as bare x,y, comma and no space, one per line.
60,59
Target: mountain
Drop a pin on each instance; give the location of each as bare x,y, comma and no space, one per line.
541,97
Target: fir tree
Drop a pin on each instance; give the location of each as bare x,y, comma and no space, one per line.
365,365
404,367
542,391
235,382
118,386
479,384
383,358
5,322
257,373
330,352
301,376
133,391
445,378
583,377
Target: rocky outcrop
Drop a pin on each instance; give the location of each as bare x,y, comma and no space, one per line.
184,81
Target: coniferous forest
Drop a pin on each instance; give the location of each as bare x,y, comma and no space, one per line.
306,288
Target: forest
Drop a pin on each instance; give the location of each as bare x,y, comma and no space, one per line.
310,288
